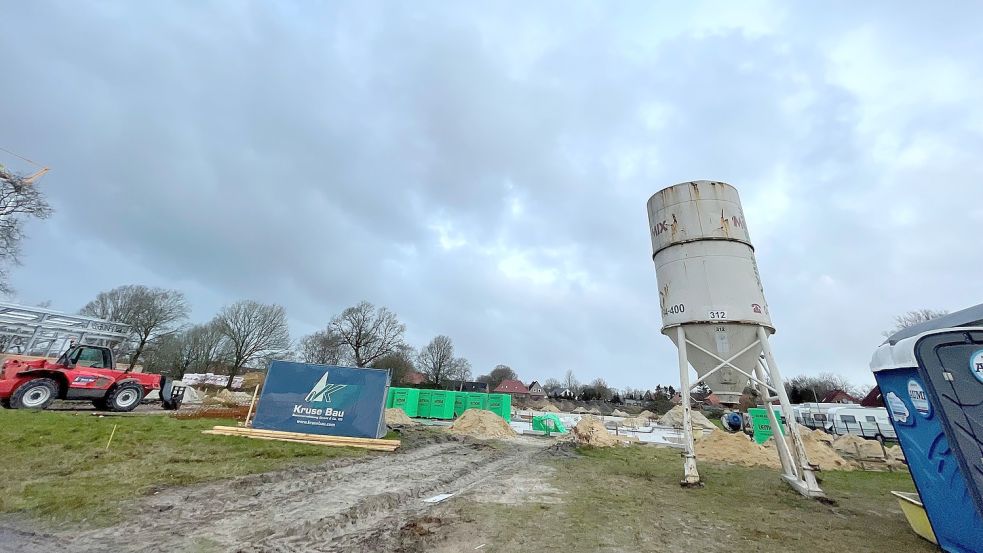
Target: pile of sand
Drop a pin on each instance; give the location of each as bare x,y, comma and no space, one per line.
590,431
581,411
619,413
635,422
818,450
646,414
735,448
855,447
595,411
674,418
253,379
549,408
479,423
397,417
816,434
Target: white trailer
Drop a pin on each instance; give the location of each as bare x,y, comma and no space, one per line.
868,422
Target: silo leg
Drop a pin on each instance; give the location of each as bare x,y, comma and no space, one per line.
807,485
784,454
691,476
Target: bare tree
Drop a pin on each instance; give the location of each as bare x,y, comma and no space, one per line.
254,331
570,382
149,312
323,347
498,375
552,384
911,318
206,345
368,333
601,389
437,362
20,199
399,364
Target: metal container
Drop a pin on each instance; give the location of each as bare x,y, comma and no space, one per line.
708,280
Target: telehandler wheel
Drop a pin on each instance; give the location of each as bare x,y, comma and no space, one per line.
124,397
34,394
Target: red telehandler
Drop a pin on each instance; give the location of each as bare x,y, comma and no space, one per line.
83,373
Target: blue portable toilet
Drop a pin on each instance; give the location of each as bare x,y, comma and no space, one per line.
933,392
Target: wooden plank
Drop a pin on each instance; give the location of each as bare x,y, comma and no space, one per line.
231,431
306,436
300,441
372,447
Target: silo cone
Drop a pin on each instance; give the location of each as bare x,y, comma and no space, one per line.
714,310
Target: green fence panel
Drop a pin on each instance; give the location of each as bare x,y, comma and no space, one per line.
407,399
477,400
501,405
460,403
426,396
442,404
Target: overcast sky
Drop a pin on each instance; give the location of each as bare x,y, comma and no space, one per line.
483,170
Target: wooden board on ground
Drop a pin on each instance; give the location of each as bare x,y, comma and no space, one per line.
298,437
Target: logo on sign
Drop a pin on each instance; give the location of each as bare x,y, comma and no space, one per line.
321,392
919,399
756,308
976,365
899,411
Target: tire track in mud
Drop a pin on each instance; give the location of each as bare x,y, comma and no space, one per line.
345,505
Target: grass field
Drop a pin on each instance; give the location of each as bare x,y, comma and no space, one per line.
629,499
55,466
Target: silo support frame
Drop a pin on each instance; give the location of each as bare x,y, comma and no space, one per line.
805,483
691,476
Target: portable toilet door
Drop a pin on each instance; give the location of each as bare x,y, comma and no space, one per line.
933,427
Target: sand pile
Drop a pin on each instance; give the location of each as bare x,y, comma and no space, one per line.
479,423
595,411
855,447
549,408
253,379
674,418
894,452
818,450
590,431
619,413
646,414
635,422
735,448
397,417
581,411
816,434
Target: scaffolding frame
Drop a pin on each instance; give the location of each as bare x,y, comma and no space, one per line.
41,332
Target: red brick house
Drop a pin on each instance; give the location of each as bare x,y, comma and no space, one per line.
513,388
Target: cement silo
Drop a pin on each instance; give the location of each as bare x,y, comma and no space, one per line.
714,309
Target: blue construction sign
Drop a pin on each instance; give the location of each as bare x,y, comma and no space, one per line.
323,399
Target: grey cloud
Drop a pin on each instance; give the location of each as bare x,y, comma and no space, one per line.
312,156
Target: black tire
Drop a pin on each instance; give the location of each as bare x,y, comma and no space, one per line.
34,394
5,403
124,397
100,404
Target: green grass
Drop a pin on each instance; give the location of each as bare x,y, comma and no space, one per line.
56,467
629,499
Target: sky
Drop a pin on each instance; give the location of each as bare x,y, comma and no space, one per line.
482,169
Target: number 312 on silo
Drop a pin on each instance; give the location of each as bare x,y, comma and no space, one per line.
716,315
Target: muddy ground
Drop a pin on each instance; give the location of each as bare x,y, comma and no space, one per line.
372,504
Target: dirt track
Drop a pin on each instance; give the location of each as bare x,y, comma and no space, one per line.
372,504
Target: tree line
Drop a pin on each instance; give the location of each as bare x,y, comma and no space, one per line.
251,334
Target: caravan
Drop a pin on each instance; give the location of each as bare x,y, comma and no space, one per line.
868,422
816,415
